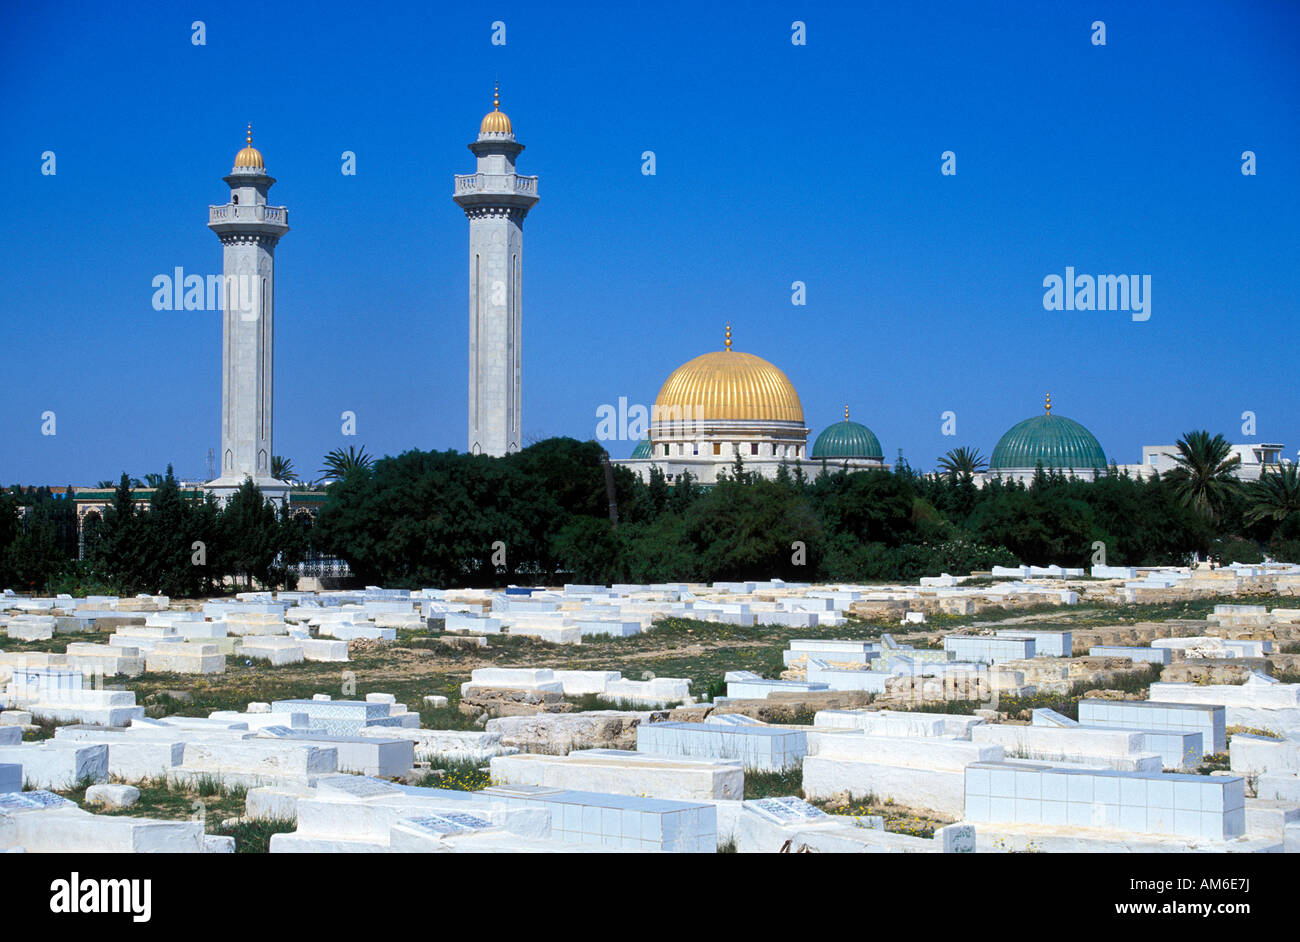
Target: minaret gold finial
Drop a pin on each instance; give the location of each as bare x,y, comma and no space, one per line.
728,341
846,413
1049,403
495,121
249,158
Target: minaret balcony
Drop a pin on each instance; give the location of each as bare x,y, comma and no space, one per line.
507,184
234,213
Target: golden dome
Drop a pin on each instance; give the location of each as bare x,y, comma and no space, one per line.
730,386
250,157
495,121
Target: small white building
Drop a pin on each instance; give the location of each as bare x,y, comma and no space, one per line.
1255,460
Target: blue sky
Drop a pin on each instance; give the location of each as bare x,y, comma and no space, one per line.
775,163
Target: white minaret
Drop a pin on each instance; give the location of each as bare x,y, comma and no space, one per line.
496,200
248,228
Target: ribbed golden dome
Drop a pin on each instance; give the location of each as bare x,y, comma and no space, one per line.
729,385
250,157
495,121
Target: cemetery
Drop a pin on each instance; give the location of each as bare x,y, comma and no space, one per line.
1036,709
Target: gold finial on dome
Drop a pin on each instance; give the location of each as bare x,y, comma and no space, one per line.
496,121
250,158
1049,403
846,413
727,343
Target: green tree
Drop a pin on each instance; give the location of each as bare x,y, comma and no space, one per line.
658,491
570,471
589,548
738,472
1275,496
205,529
433,518
1041,526
9,527
250,535
339,463
870,506
118,550
659,551
171,529
749,529
282,468
164,534
685,493
35,556
1204,475
292,545
962,463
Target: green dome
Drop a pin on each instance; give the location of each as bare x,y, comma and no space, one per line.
642,449
1055,441
847,440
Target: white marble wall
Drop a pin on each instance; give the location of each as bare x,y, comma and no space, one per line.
495,332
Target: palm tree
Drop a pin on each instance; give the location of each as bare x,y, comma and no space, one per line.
1276,494
1205,477
153,480
106,485
962,463
339,462
282,468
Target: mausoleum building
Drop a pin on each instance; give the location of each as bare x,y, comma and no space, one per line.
728,404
